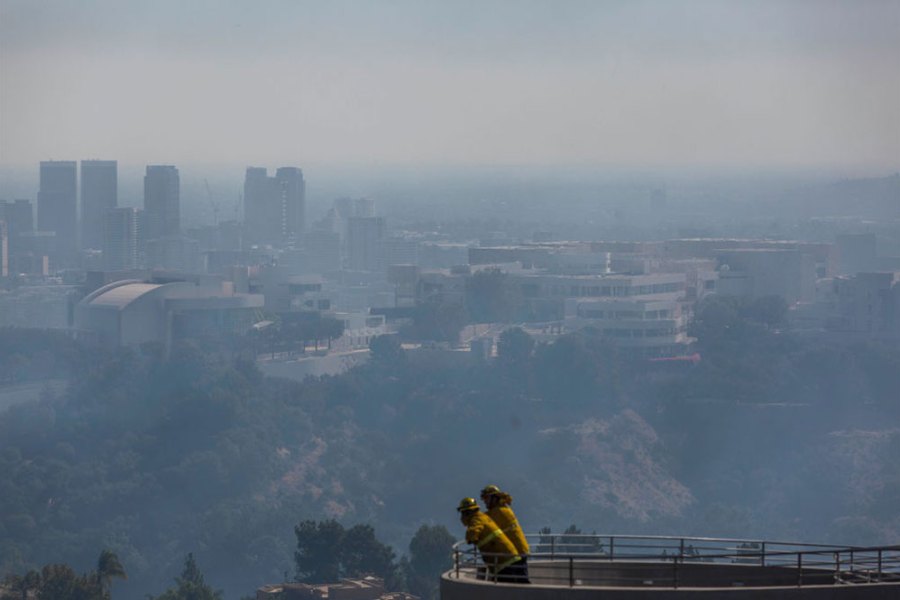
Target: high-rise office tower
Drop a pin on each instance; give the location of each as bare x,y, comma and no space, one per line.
4,250
120,239
274,207
58,209
162,202
19,217
364,207
99,193
364,236
259,206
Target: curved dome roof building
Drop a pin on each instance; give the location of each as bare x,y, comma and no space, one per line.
133,312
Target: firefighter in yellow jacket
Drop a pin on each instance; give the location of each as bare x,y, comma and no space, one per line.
497,551
498,509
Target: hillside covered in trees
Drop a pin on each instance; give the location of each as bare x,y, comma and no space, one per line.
155,458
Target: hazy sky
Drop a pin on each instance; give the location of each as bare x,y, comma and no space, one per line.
669,82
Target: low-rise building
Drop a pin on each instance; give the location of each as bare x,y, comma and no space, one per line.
443,255
545,294
823,255
366,588
285,292
640,327
867,303
41,305
758,272
359,330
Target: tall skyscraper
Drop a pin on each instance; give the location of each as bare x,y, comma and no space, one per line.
274,207
364,236
120,239
4,250
19,217
58,209
162,201
99,193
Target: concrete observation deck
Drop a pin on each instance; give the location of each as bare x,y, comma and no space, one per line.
614,567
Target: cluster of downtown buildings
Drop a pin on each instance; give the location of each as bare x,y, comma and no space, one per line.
104,236
122,275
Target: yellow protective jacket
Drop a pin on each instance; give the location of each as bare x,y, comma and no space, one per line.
496,549
506,520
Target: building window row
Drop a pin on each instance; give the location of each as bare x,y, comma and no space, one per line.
642,333
650,315
597,291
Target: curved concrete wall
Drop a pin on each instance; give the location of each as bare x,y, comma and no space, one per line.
665,575
452,589
735,581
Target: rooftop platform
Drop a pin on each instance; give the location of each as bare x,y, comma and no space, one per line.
625,567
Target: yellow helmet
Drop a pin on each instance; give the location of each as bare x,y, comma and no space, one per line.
467,504
490,490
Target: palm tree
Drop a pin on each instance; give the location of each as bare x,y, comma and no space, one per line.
108,566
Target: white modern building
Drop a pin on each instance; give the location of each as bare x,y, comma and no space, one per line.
650,328
286,292
546,293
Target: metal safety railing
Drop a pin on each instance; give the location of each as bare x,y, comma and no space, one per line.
666,561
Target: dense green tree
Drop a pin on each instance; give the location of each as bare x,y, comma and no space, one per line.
386,351
24,587
490,297
566,370
430,554
714,317
439,321
771,311
61,582
362,554
296,329
514,350
329,329
37,354
326,552
190,585
56,582
150,454
318,555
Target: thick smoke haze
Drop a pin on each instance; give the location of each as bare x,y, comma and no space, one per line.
282,281
527,83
